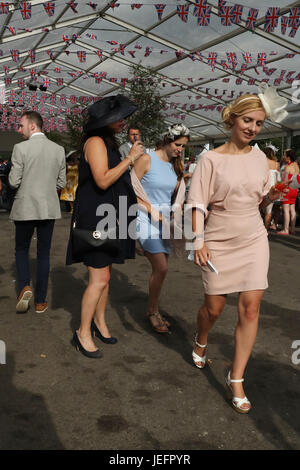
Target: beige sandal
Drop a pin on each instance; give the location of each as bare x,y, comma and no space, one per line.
157,322
237,403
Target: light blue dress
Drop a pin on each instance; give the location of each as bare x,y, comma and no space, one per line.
159,184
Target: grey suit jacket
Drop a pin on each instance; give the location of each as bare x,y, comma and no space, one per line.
38,170
124,150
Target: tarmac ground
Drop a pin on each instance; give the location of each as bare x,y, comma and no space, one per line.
145,393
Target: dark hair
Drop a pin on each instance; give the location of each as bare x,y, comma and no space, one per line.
34,117
270,154
132,127
106,133
291,154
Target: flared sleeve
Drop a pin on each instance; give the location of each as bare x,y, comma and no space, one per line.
199,197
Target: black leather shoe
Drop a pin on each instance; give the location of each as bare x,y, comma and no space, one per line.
96,332
91,354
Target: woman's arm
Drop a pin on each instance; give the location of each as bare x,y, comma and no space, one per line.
95,153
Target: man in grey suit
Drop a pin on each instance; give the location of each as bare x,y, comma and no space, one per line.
133,135
38,170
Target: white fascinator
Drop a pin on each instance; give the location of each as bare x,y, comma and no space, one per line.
177,130
273,103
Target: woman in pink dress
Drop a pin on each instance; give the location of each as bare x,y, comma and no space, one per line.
233,180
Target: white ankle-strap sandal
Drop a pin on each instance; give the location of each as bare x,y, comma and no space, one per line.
237,403
198,359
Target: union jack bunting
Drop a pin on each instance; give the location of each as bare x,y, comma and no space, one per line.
160,9
204,19
136,5
49,8
212,60
81,56
12,29
124,81
73,5
247,57
132,54
285,21
92,5
199,7
294,29
122,49
46,82
224,65
147,51
271,19
251,19
261,58
31,55
294,17
183,12
60,81
226,16
237,11
232,58
4,8
221,4
50,54
99,54
114,5
15,55
21,83
289,78
53,98
25,8
63,100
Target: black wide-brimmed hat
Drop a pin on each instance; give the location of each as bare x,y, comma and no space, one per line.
108,110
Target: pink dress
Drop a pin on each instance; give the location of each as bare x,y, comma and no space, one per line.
233,186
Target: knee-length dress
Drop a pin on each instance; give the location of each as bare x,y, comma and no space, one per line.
88,199
233,187
159,184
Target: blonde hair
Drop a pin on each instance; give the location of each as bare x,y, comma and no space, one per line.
241,105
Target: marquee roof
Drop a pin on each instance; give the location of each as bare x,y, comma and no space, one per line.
178,51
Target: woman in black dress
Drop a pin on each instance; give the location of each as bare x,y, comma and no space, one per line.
103,178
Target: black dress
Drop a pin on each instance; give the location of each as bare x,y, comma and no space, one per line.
88,198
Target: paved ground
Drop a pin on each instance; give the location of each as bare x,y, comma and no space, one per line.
145,393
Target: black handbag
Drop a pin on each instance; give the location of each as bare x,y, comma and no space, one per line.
85,241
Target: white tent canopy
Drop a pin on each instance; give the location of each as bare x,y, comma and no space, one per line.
177,51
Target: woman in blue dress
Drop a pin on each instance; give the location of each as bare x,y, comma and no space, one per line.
160,173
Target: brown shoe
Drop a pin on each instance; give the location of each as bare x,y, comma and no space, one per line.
40,308
23,299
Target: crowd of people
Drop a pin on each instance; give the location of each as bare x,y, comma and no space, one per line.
228,188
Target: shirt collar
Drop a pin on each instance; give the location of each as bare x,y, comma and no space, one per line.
36,133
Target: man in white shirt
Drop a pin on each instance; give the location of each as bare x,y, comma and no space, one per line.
38,170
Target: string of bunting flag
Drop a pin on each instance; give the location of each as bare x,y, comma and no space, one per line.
230,15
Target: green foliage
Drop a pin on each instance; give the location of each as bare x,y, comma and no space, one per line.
144,89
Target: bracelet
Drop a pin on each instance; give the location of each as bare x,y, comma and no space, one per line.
267,198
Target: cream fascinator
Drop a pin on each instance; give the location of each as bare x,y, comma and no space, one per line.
273,103
176,131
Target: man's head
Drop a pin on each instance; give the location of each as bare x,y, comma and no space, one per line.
133,134
30,122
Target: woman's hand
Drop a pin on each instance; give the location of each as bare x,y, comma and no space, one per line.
202,256
276,193
136,151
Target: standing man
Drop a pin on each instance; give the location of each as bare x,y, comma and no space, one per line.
133,135
38,170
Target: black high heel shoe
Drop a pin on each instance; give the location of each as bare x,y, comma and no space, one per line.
96,332
91,354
